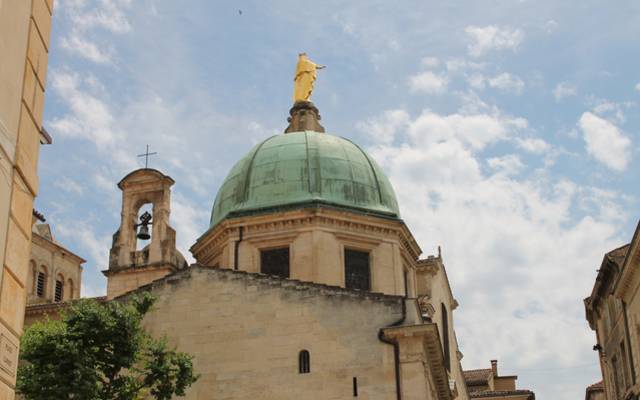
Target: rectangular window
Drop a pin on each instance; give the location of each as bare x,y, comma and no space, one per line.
275,262
40,284
58,294
356,270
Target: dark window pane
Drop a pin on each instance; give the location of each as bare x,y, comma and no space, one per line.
58,294
40,284
356,270
445,337
275,262
304,362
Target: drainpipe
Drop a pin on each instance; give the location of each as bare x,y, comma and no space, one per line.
396,348
235,250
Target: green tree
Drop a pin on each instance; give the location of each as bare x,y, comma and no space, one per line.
101,352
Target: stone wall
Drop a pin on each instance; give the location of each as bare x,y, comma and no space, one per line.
57,263
22,82
246,331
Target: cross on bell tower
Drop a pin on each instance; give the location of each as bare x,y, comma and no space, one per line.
146,155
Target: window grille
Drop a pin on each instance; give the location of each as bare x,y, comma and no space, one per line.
58,294
304,362
40,284
275,262
356,270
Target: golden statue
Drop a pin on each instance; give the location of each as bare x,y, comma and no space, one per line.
306,72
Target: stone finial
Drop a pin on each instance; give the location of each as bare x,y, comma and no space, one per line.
304,117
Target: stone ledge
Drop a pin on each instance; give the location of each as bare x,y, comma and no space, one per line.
268,280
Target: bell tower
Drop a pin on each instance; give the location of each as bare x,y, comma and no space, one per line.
144,247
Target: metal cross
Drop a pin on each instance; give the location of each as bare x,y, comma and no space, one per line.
146,156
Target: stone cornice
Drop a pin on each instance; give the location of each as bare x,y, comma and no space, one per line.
345,221
136,269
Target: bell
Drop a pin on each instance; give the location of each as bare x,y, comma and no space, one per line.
143,234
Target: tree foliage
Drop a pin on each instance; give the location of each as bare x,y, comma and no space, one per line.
100,351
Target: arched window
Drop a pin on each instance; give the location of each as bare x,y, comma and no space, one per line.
59,289
41,281
304,362
445,337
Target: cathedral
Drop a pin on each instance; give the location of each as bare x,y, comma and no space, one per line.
307,283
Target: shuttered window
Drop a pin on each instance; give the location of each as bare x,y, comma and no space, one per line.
356,270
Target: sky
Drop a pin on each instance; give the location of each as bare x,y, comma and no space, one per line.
509,130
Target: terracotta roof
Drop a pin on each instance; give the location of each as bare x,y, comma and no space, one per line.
503,393
477,376
596,386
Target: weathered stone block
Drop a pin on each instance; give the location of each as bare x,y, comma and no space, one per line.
12,302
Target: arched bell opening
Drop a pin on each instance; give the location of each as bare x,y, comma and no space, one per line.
143,226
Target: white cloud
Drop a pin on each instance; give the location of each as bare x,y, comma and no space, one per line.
430,62
638,87
428,82
492,38
189,221
605,142
507,83
500,230
77,45
384,128
506,165
533,145
475,130
89,118
86,20
564,89
550,26
69,185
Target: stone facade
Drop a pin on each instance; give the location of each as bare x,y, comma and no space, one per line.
316,238
613,312
247,330
22,82
61,269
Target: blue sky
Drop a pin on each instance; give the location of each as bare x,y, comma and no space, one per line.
509,130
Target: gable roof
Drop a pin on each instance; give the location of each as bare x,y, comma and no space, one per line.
503,393
477,376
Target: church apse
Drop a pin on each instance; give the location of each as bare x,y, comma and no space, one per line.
146,206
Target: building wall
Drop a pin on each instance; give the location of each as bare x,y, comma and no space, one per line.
58,264
439,293
316,239
22,81
246,331
627,294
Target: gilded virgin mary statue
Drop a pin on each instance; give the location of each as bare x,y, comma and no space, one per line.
306,72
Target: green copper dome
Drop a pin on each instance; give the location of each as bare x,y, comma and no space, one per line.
301,168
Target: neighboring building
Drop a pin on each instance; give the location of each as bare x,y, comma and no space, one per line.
488,384
613,312
595,392
24,28
307,283
55,273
